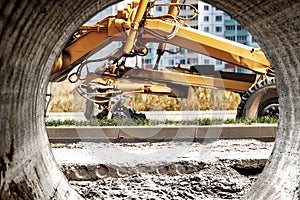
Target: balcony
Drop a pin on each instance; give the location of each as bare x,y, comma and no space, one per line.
242,32
230,22
236,33
229,33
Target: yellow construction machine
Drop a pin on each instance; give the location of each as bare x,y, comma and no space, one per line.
134,27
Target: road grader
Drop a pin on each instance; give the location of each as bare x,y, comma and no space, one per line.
134,27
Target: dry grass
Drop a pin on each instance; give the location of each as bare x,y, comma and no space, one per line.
198,99
65,99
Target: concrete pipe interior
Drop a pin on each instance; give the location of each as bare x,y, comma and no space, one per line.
34,32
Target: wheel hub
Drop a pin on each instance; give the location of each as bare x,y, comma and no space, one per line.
270,110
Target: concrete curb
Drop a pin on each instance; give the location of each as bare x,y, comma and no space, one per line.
156,115
162,133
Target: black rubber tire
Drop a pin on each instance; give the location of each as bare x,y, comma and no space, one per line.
123,112
120,113
257,98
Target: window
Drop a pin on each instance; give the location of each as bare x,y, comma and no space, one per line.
218,29
206,7
196,17
190,51
185,8
218,18
195,27
158,8
240,27
239,70
192,60
206,18
171,62
182,51
227,15
230,28
148,61
218,62
253,40
172,50
182,61
241,38
206,29
230,38
206,61
195,5
149,50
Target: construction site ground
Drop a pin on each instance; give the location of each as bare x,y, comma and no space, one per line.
215,169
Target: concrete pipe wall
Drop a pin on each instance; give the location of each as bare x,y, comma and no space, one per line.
34,32
275,24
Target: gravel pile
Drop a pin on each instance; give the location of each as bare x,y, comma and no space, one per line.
215,181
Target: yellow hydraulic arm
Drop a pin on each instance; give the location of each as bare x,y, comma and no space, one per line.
210,45
137,27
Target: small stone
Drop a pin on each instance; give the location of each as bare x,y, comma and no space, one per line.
183,183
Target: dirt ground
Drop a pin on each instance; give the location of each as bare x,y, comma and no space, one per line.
222,169
216,181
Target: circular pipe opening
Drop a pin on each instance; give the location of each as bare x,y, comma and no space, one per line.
25,68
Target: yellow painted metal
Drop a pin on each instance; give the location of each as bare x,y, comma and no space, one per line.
211,45
186,79
145,88
88,44
173,8
162,46
81,47
158,78
200,42
158,89
131,87
58,64
135,25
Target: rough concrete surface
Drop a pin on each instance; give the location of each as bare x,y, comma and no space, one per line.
221,169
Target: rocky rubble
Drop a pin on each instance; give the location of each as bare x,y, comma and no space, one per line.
222,169
215,181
